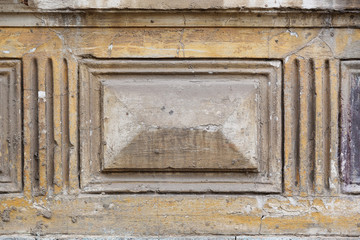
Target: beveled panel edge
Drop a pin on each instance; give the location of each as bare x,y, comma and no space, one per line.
90,68
13,181
348,68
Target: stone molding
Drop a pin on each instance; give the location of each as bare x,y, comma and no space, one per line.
196,4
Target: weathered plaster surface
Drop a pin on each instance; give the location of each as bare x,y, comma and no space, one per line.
308,49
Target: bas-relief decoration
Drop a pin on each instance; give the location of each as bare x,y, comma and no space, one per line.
132,130
196,123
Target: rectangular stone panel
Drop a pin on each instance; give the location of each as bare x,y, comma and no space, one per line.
10,126
350,126
158,124
168,122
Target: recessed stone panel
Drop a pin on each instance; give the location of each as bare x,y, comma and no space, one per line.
350,126
167,122
158,124
10,126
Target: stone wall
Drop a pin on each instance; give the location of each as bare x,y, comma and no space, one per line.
147,119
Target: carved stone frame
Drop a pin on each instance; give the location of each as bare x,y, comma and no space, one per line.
349,69
266,180
10,126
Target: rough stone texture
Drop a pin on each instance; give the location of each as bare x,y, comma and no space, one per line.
80,70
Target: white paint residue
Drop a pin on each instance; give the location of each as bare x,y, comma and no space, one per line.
260,202
287,59
110,47
308,4
292,201
41,94
275,64
7,52
40,207
294,34
248,209
169,49
208,128
32,50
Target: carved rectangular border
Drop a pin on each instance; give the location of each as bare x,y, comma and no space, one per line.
93,180
350,87
10,126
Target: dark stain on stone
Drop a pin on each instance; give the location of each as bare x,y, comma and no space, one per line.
182,149
5,216
355,127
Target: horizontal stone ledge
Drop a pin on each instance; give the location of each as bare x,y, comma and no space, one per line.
211,237
195,4
136,18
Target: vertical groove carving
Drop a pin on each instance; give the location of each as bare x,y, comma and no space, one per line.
309,153
49,78
65,123
50,122
319,127
296,123
312,126
34,154
327,133
323,139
